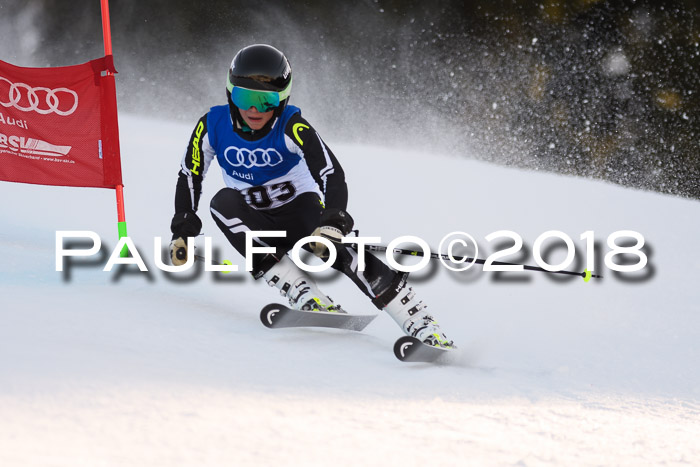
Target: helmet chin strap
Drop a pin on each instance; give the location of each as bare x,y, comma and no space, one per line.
238,123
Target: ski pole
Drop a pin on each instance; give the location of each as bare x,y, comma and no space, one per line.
215,263
586,274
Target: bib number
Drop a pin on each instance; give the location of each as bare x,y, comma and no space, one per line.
262,197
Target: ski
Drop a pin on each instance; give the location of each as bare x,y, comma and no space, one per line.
279,316
410,349
406,348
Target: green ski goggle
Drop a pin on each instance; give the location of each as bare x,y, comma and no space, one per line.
263,101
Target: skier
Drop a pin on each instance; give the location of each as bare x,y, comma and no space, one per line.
280,175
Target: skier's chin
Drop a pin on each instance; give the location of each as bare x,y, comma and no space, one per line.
256,123
256,120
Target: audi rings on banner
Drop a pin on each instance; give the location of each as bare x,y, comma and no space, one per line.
255,158
54,100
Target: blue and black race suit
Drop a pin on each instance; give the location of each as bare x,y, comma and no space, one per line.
278,178
291,159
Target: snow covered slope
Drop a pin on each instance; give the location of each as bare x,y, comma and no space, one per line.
137,368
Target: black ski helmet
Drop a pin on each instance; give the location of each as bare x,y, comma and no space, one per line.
260,67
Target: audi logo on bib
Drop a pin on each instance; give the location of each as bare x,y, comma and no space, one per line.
242,157
21,96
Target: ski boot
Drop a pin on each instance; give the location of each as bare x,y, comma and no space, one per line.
301,291
411,315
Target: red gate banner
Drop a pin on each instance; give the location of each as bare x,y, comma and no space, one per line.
58,126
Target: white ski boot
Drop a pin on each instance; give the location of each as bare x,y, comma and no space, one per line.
411,315
299,288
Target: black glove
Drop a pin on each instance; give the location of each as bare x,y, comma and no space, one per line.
184,224
178,252
335,224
